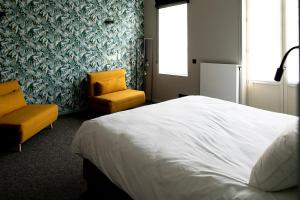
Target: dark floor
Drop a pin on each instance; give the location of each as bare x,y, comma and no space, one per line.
45,169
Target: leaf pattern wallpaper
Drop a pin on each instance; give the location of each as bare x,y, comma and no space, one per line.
50,46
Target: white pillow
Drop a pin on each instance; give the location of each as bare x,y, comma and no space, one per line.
276,169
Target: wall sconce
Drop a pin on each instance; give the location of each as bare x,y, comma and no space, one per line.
109,21
280,69
2,14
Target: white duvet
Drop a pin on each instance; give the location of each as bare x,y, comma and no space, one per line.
191,148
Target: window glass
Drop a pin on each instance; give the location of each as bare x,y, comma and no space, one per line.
264,38
173,40
291,40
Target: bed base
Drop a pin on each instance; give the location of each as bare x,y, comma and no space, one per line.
99,186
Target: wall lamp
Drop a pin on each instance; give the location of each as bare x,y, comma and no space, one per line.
280,69
2,14
109,21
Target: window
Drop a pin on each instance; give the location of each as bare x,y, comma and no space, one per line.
291,39
272,28
173,40
263,38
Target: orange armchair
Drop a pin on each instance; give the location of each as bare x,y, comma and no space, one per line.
107,92
18,120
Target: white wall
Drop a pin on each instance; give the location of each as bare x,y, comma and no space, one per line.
214,31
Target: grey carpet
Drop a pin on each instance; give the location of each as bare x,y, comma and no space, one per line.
45,169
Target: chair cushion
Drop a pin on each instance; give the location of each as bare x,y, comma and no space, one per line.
110,85
11,101
9,86
118,101
93,77
31,119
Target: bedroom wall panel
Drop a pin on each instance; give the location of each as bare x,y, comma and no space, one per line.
49,46
273,96
291,100
267,96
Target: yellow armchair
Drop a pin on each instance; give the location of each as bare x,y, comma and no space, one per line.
18,120
107,92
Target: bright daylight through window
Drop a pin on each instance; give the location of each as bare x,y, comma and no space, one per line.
292,39
173,40
272,29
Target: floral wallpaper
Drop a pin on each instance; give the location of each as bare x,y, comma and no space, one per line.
50,45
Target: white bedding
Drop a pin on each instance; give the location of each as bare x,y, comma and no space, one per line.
188,148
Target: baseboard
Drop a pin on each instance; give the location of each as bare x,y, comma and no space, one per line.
156,101
72,111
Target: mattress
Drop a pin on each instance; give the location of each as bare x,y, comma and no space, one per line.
194,147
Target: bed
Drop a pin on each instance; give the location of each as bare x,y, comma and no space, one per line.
194,147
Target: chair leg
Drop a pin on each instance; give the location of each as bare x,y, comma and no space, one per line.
20,147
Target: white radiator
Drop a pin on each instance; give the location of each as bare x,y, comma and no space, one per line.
220,81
